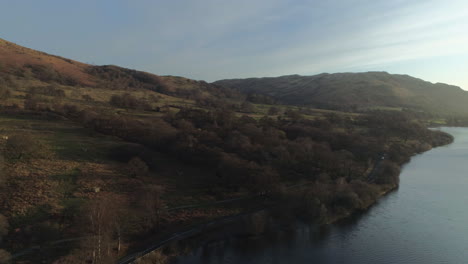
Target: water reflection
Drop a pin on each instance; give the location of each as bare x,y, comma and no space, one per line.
268,248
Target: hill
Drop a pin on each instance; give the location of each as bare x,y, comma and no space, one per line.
32,67
357,91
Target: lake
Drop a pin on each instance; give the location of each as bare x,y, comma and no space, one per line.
424,221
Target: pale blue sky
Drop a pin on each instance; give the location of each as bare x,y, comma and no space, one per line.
216,39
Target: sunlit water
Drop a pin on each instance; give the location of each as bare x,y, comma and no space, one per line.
424,221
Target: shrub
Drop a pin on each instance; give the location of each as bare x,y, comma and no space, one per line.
129,101
87,98
137,167
22,146
124,153
31,102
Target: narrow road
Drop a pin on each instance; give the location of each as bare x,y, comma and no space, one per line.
372,174
33,248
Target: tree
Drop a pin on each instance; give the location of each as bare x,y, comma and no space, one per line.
262,179
233,171
99,215
129,101
293,115
3,172
313,209
273,110
247,107
118,228
388,173
344,197
4,226
4,91
137,167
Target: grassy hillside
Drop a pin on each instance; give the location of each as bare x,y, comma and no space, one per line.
357,91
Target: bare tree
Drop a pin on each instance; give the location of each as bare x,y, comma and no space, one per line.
137,167
99,220
118,228
4,226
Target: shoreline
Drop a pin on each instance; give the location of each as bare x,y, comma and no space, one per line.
212,226
336,219
206,230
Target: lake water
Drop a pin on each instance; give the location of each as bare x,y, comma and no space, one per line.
425,221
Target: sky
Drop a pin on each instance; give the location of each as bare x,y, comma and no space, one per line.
217,39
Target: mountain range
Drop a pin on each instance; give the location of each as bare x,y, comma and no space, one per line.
339,91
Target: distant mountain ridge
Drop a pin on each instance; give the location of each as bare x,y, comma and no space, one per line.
357,91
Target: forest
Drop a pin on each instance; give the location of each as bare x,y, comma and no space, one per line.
343,163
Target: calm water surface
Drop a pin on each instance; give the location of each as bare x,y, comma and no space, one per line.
424,222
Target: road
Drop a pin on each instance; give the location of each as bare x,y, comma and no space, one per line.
174,237
198,229
372,174
182,235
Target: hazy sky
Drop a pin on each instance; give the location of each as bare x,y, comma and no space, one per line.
216,39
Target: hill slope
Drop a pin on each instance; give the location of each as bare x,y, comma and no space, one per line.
18,60
31,65
357,90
